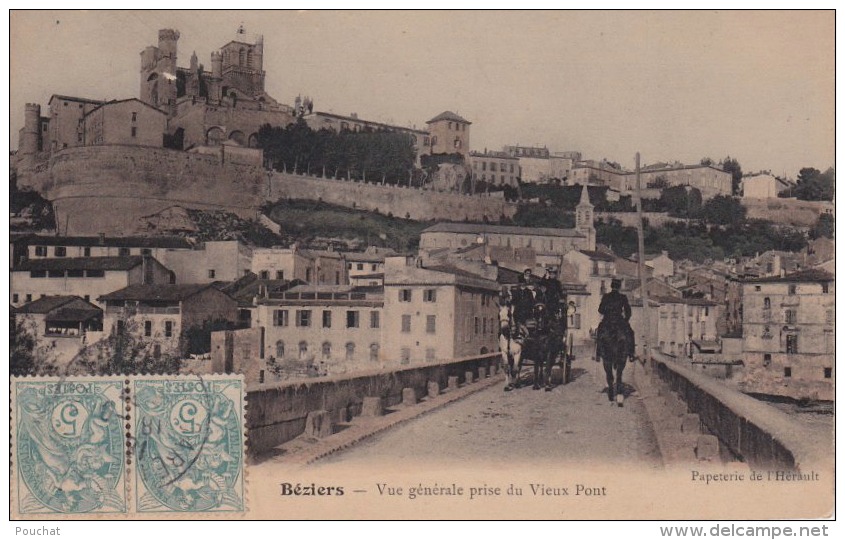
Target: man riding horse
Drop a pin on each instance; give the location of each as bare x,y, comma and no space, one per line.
615,338
616,312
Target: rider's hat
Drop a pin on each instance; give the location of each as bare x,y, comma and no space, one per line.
616,284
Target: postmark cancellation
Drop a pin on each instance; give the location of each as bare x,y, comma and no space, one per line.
115,446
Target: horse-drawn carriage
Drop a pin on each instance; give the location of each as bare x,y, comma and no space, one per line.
533,330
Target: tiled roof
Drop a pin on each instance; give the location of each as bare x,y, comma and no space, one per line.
72,98
598,255
479,228
81,263
75,314
811,275
448,115
172,242
46,304
165,293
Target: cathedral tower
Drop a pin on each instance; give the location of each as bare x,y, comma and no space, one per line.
158,72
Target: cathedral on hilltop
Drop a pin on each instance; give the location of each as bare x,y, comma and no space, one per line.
208,107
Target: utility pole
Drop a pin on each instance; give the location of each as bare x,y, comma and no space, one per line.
641,263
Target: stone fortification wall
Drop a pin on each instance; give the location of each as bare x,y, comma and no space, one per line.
108,188
402,202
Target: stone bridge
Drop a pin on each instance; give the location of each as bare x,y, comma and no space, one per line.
457,410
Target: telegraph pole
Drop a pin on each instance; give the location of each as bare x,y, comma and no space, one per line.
641,263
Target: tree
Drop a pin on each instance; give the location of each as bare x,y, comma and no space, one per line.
26,357
706,161
823,228
813,185
723,210
123,352
732,166
679,201
660,182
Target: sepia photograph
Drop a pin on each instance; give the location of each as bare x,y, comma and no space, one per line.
434,265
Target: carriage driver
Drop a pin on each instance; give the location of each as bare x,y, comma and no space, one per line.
615,309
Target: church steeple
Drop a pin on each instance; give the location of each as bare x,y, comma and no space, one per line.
584,219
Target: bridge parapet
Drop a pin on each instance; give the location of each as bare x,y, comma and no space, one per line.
759,434
277,412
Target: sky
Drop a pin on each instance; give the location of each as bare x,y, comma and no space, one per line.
673,85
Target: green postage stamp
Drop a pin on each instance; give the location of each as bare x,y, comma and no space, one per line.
128,445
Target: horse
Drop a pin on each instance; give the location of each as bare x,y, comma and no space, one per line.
612,346
543,345
510,343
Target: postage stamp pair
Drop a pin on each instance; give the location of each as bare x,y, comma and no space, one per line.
128,445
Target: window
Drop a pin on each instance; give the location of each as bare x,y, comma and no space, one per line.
168,328
280,349
375,267
757,288
792,344
28,298
148,328
40,251
264,274
791,316
95,273
374,350
406,323
787,372
86,252
404,295
15,298
477,326
60,251
134,116
767,360
360,266
375,319
405,355
212,273
828,316
327,318
828,373
146,251
134,131
430,324
484,325
303,349
37,273
352,319
55,273
326,350
350,351
793,289
261,376
429,354
303,318
280,317
767,303
280,274
430,295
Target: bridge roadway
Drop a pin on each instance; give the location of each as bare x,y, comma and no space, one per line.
574,423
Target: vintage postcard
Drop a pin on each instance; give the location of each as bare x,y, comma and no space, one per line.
572,265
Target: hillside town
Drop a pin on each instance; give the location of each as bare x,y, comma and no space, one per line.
168,231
